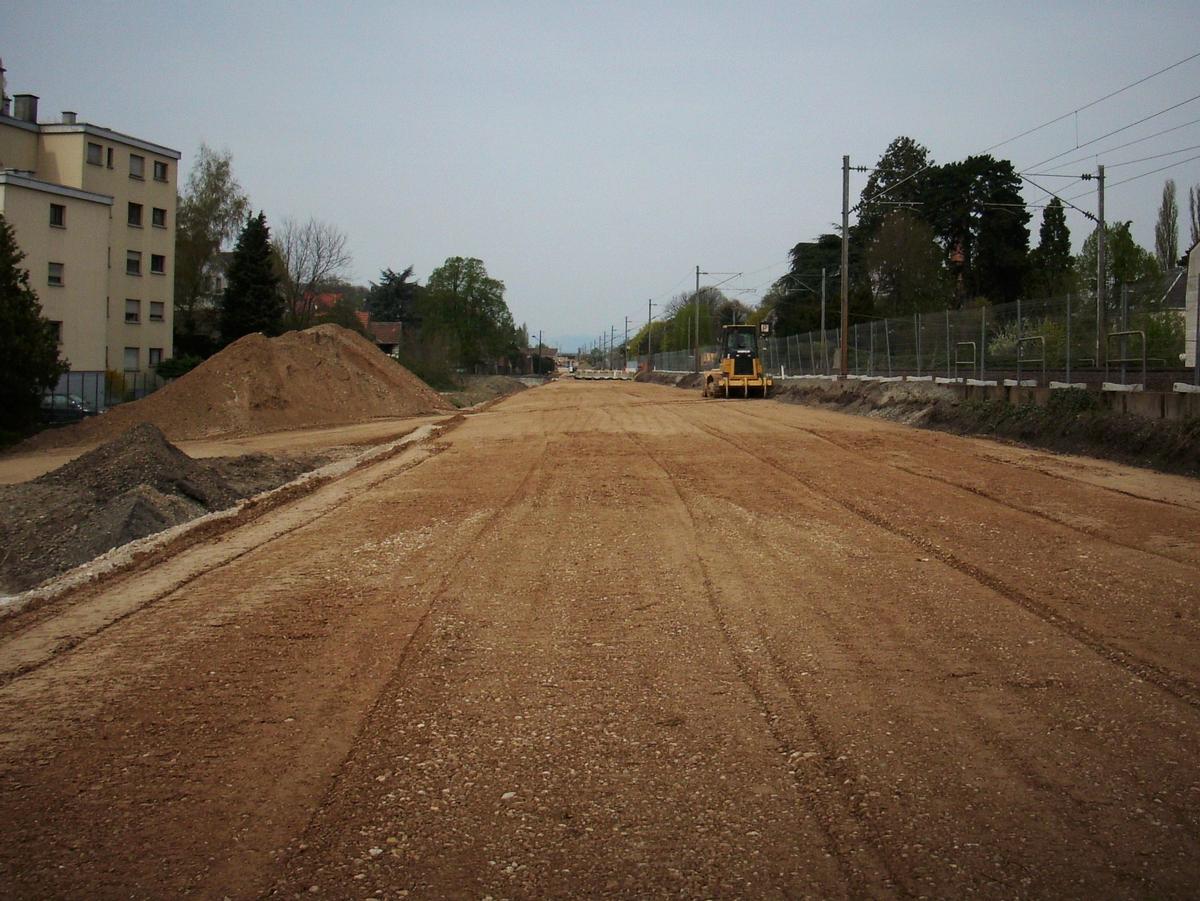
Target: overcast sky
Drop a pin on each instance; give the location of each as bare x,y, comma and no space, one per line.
591,154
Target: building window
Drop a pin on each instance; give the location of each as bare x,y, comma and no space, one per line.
158,264
55,276
160,170
137,166
158,218
133,262
133,311
95,153
131,359
56,325
110,157
156,310
58,215
155,356
135,215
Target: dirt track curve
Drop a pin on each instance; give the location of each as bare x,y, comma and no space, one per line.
613,640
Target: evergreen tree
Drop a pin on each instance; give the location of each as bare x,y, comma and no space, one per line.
1051,263
979,216
29,361
898,178
253,301
395,298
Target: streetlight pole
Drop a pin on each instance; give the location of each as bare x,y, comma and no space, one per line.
696,316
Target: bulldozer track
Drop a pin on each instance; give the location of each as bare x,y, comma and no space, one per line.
1178,687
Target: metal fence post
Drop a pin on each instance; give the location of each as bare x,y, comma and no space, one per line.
887,340
948,342
917,332
982,342
1068,337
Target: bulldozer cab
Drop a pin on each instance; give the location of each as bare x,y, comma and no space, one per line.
741,346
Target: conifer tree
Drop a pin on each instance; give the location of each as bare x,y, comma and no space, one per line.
29,360
1051,262
252,301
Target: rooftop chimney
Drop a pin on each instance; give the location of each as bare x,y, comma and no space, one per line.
68,117
25,107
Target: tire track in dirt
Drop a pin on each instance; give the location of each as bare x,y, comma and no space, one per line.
988,496
1179,687
841,842
419,635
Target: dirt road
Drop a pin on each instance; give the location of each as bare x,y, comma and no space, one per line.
613,640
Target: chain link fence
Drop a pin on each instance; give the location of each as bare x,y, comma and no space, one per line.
1034,340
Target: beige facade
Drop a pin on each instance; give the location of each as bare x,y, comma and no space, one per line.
135,181
63,234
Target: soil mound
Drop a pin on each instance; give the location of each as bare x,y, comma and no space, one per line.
479,389
131,487
327,375
142,458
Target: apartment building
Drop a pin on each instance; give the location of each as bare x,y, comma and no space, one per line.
94,212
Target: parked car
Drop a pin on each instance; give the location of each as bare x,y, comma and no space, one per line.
62,408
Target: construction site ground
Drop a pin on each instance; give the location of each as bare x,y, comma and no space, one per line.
611,639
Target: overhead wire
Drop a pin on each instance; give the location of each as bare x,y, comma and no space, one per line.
1092,156
1099,100
1115,131
1030,131
1125,181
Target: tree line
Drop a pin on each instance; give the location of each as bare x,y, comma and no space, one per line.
458,319
934,236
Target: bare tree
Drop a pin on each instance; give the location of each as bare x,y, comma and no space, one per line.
1166,231
313,256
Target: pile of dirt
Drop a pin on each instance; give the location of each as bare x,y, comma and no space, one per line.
327,375
482,388
131,487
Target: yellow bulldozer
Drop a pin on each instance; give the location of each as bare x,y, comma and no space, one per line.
741,372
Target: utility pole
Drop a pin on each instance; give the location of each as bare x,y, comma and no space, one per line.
612,345
649,334
696,314
626,354
844,362
1101,311
539,356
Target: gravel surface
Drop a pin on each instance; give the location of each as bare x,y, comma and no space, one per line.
610,640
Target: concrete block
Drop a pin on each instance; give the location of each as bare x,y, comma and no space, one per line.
918,378
1185,388
1117,386
982,383
1024,383
1063,385
1149,404
942,380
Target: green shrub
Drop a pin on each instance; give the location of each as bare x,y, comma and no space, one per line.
176,366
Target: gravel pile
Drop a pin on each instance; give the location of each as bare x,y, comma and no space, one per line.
126,489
